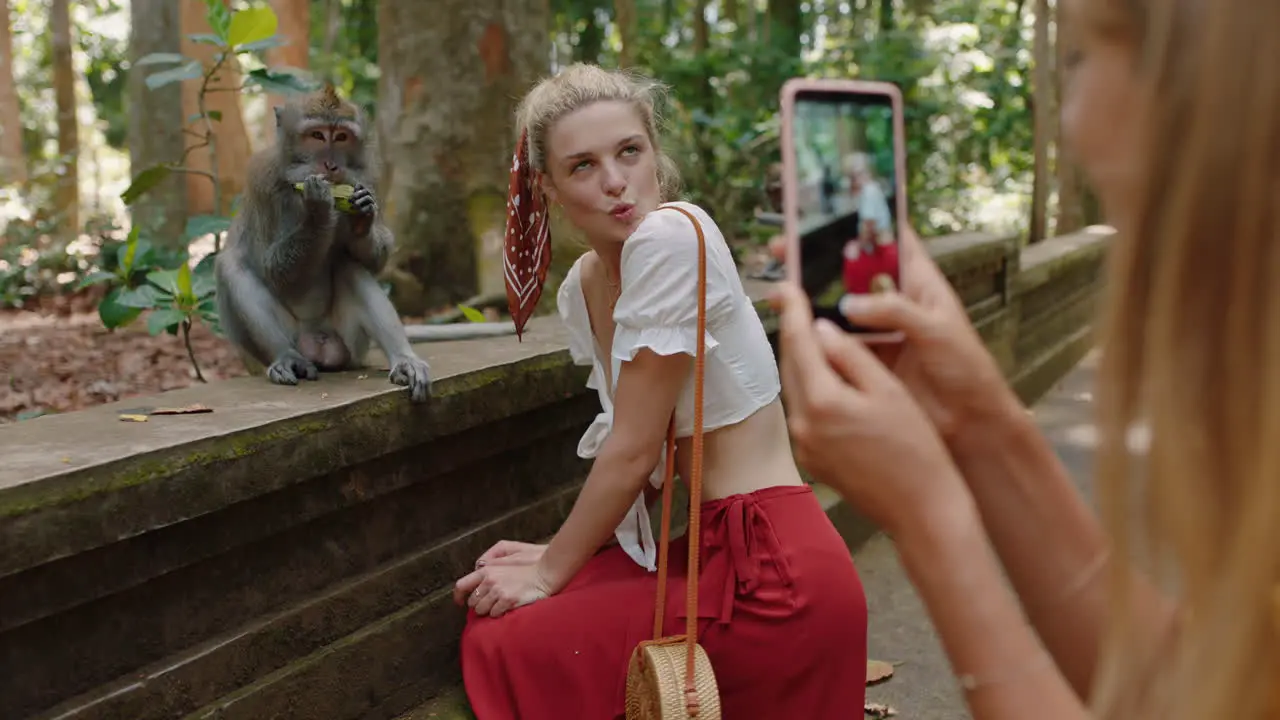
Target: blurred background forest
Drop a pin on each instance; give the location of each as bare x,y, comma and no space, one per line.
125,128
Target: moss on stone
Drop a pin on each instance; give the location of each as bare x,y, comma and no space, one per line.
81,484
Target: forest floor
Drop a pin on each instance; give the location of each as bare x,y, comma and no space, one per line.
55,356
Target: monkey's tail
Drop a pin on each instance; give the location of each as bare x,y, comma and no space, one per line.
458,331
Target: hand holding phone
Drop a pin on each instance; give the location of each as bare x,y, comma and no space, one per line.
843,192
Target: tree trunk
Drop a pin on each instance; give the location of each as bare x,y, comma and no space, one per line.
1043,92
1070,179
733,13
67,193
295,30
13,161
887,20
783,25
624,14
231,137
155,121
450,83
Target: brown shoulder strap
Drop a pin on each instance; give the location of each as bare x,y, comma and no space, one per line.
694,482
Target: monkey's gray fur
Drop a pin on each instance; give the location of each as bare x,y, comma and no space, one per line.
297,288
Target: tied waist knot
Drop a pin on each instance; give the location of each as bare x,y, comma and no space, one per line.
738,540
635,532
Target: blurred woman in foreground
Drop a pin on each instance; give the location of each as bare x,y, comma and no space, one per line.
1169,608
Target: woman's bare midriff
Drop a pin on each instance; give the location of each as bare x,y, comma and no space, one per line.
744,457
741,458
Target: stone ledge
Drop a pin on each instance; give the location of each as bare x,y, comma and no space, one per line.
76,481
1042,262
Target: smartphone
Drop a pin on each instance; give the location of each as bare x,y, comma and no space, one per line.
844,197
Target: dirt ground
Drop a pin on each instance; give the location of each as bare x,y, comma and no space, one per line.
57,357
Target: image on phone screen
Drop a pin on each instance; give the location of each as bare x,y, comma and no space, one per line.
845,180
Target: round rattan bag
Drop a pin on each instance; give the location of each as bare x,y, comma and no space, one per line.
656,687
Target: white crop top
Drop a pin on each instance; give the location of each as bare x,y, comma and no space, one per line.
658,309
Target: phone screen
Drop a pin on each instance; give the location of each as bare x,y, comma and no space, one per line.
845,173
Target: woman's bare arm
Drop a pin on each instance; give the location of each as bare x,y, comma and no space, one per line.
995,653
1051,544
648,387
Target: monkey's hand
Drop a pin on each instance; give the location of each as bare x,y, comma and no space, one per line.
318,195
289,367
414,373
364,207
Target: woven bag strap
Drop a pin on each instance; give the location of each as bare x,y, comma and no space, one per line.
694,482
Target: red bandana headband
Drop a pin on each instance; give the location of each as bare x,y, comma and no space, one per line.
527,252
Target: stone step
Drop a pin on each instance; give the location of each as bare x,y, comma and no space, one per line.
388,636
451,705
320,534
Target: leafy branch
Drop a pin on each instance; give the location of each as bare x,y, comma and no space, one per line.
234,33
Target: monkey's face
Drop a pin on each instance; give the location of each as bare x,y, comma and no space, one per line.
602,170
326,147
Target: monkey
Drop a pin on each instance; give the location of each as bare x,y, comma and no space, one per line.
296,279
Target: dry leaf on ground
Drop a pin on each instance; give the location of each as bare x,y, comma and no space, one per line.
878,670
876,710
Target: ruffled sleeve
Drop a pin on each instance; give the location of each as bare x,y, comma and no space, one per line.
573,313
658,307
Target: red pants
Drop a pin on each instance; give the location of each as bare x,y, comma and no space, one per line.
782,617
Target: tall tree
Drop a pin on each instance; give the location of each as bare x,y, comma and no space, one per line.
156,120
13,163
1070,180
783,26
231,137
624,14
450,82
67,194
1043,89
295,27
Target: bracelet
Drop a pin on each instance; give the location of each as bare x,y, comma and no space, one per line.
970,682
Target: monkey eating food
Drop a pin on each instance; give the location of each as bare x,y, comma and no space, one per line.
296,281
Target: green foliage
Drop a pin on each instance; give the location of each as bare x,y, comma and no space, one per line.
344,48
963,67
106,77
144,278
36,262
249,30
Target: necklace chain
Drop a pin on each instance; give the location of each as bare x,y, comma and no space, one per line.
615,287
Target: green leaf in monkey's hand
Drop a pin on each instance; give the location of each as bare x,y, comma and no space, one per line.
341,196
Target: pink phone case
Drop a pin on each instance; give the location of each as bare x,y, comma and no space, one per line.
790,214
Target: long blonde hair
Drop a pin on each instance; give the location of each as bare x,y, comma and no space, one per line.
1191,349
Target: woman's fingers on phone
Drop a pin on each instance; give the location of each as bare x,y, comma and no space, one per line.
849,357
886,311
